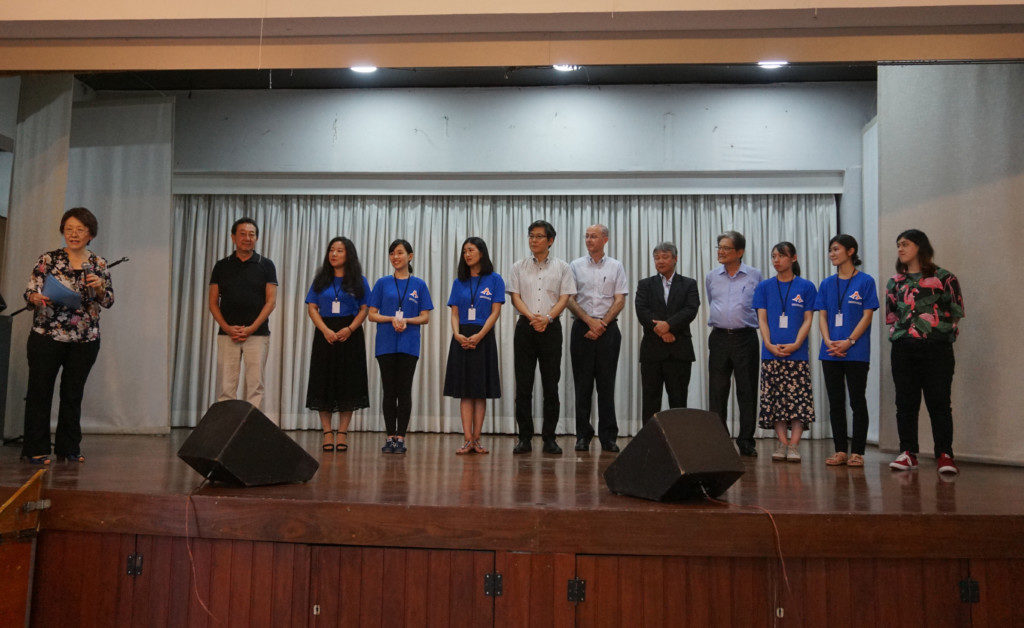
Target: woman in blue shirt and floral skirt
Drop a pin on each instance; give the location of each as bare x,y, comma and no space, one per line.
399,304
847,300
785,307
336,303
472,373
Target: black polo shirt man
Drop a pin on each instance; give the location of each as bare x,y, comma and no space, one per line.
243,292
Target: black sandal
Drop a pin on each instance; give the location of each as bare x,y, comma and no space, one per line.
342,446
328,446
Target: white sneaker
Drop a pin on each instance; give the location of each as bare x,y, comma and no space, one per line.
780,452
904,462
792,455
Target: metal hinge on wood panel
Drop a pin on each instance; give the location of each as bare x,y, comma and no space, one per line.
492,584
134,565
316,609
970,592
577,590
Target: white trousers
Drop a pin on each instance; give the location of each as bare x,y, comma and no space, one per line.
245,359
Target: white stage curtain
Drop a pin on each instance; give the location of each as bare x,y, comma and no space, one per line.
295,229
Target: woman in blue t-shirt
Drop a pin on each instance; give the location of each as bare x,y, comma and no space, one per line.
472,373
785,307
399,304
847,300
336,303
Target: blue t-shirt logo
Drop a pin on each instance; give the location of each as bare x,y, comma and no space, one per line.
413,295
798,301
486,292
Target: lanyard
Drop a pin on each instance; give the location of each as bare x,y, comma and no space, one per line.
335,286
401,300
778,284
842,294
473,291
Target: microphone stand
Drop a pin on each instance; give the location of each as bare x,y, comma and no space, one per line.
109,266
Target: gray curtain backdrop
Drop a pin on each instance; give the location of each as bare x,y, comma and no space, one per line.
294,231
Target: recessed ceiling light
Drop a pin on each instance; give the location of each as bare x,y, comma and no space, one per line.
772,65
364,69
561,67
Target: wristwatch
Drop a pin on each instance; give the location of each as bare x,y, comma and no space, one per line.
852,341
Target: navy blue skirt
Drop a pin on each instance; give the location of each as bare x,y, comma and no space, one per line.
473,373
337,372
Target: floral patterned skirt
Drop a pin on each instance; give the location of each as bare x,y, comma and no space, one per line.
785,393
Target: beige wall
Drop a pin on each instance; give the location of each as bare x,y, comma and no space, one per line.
951,147
193,34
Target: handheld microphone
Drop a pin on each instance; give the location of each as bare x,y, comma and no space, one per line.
86,269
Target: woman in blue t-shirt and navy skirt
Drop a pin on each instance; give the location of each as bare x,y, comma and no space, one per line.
399,304
472,372
847,300
785,307
336,303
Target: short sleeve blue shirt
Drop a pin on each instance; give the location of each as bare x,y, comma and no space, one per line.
414,297
799,296
477,292
851,296
348,304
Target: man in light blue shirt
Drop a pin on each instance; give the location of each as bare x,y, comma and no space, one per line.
733,348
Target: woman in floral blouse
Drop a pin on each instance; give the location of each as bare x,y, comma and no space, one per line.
63,337
923,307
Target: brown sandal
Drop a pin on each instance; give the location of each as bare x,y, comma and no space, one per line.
856,460
836,459
478,448
467,448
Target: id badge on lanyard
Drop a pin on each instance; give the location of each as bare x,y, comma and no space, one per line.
336,307
839,319
471,313
783,321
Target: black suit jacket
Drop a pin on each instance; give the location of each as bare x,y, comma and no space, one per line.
679,312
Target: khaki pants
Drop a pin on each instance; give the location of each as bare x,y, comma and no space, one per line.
234,359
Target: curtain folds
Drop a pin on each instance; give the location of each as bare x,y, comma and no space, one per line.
294,231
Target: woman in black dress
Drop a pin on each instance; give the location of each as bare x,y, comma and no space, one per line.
472,374
336,303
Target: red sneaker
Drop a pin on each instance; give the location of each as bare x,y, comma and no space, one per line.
944,464
904,462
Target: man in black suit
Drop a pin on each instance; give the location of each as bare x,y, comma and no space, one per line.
666,304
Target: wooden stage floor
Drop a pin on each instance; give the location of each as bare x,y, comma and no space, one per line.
431,498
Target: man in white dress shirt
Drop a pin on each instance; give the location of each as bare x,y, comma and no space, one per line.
540,286
595,339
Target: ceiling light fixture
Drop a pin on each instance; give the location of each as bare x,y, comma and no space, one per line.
561,67
772,65
364,69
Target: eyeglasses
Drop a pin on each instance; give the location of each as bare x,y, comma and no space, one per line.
77,231
727,248
538,237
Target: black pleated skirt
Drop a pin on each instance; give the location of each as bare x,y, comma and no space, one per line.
473,373
337,372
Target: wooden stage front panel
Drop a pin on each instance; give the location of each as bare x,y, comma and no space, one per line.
409,540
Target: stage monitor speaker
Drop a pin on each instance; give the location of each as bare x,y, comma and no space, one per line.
236,443
679,454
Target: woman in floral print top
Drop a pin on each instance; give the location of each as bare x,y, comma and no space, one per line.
923,308
64,338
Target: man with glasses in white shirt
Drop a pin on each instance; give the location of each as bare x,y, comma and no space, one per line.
540,286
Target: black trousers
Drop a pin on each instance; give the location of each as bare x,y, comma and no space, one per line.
533,348
673,376
396,371
855,375
919,366
46,357
595,362
736,354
